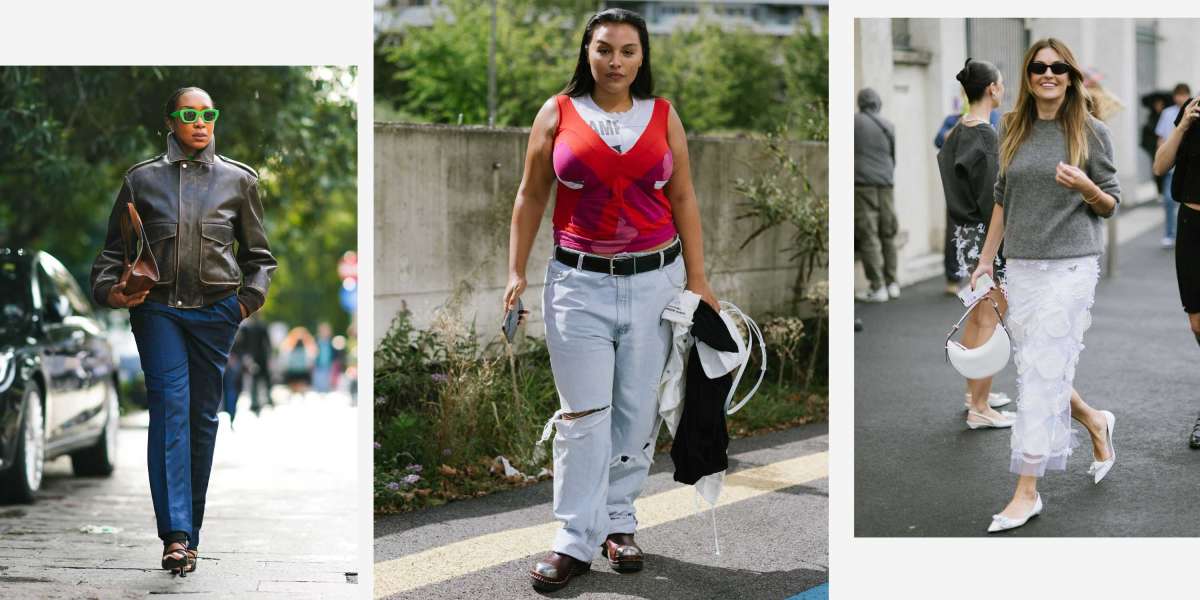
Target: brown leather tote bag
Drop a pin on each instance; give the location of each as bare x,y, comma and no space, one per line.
141,271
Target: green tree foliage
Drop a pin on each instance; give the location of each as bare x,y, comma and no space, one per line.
70,132
719,78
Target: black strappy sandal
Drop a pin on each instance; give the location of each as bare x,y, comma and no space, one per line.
175,558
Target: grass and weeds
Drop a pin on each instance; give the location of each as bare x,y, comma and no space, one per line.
448,406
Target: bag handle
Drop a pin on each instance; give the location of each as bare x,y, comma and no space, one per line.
995,307
752,330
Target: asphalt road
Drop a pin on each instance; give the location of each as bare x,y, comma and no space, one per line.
920,472
279,509
774,545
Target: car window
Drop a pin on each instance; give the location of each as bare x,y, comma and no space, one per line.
67,287
49,295
63,287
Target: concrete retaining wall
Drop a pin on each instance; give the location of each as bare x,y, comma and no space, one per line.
443,202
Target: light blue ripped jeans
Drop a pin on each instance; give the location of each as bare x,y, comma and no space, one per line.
608,347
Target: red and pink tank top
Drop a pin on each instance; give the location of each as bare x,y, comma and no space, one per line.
610,202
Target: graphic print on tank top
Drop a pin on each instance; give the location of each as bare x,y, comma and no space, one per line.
620,130
610,202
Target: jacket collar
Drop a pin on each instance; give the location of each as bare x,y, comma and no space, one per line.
176,151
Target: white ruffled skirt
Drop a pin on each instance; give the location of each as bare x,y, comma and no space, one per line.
1049,310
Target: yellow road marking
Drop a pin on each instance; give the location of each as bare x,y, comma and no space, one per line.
467,556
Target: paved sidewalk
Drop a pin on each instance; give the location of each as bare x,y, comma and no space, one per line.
920,472
280,520
774,539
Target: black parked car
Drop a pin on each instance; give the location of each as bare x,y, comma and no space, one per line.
58,379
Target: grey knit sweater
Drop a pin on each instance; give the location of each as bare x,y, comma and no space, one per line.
1043,219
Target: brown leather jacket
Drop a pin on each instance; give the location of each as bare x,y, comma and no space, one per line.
194,210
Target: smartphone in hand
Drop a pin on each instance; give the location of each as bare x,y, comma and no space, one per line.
982,286
511,318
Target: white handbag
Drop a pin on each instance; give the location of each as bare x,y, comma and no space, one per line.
986,360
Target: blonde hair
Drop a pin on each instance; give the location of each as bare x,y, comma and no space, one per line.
1073,115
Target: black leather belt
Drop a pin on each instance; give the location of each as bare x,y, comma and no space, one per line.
619,265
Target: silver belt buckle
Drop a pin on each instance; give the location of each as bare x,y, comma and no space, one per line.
612,265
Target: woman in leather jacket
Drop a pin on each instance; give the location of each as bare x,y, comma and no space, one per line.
204,227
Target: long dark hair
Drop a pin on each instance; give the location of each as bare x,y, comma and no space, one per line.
976,76
582,81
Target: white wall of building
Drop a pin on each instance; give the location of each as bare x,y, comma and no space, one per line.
1178,47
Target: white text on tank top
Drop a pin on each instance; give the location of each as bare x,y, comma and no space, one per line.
620,130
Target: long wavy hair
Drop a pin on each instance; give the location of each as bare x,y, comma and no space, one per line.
582,81
1072,117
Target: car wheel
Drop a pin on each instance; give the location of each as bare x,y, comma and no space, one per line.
101,459
23,479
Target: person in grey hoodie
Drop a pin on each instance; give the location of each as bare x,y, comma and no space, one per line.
875,224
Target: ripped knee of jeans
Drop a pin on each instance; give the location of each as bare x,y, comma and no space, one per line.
571,424
580,415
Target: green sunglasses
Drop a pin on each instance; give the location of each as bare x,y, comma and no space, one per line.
189,115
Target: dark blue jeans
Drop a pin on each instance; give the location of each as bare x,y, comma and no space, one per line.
183,353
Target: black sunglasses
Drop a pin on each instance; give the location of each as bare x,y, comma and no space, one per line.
1038,67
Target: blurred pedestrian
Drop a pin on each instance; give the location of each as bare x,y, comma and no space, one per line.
298,352
1166,125
1180,154
1057,181
256,342
968,163
324,363
875,224
1155,103
628,241
195,205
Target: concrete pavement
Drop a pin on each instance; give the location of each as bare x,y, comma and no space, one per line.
773,526
920,472
280,520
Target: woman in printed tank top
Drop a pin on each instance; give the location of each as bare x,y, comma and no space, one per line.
627,241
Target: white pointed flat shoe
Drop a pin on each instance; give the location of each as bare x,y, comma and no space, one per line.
1003,523
995,400
1100,468
1006,419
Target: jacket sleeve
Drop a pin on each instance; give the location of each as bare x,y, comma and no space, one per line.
254,252
106,269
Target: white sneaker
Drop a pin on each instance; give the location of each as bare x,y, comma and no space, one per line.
995,400
1002,523
876,295
1168,242
893,290
1006,419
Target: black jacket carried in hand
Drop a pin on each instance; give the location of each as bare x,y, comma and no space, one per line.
701,439
204,225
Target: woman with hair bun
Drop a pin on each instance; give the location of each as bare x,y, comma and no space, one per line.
968,163
1057,181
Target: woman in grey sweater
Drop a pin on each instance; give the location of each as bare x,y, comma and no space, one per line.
968,163
1057,180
